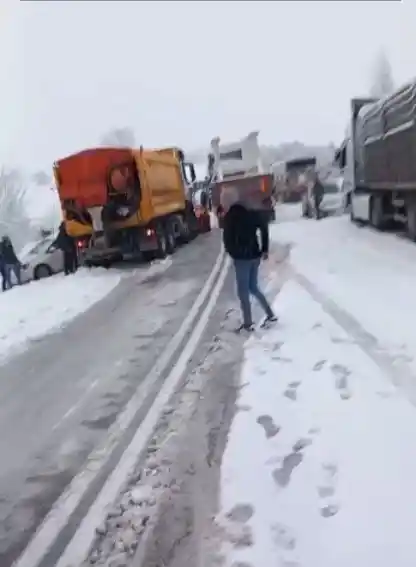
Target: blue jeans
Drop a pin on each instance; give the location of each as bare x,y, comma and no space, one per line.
8,270
246,274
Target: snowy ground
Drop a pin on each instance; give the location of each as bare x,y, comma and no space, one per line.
319,467
35,309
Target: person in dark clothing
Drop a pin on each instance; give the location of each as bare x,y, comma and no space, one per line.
11,263
67,244
3,273
318,194
240,237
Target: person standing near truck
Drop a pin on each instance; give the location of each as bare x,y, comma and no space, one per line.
318,195
240,238
65,243
11,263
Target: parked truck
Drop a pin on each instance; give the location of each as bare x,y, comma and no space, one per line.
378,160
239,164
122,202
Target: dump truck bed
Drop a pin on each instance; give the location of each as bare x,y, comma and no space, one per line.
84,177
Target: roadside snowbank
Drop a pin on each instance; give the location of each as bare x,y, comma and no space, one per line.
370,275
317,470
33,310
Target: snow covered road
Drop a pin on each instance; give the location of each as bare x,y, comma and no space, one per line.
319,468
62,397
41,307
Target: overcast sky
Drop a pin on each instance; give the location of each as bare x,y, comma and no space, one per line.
182,72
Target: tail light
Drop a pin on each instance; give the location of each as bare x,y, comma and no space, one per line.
81,244
150,232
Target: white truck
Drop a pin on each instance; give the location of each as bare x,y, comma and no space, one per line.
239,164
378,160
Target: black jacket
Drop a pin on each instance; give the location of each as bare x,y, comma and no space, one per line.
63,241
318,191
240,234
8,254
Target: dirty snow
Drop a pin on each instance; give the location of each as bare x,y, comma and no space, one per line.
33,310
319,467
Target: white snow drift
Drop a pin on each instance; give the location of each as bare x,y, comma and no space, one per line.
33,310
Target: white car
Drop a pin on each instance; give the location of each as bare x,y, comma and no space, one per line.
41,260
333,201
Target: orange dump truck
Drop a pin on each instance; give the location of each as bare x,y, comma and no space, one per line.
122,202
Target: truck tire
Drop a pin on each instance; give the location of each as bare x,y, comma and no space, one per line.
377,219
170,238
162,243
411,220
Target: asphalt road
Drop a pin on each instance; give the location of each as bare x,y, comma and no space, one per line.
58,399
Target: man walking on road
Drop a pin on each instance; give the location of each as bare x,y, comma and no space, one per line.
240,236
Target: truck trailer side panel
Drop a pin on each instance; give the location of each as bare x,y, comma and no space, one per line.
161,183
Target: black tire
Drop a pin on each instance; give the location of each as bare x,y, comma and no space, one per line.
42,271
377,213
170,239
162,243
411,220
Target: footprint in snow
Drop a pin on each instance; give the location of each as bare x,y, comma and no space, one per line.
341,374
291,391
302,443
326,491
319,365
283,537
291,394
283,475
269,426
240,513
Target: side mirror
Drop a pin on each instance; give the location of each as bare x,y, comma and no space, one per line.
52,248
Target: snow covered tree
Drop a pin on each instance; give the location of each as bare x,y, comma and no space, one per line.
382,80
13,218
119,137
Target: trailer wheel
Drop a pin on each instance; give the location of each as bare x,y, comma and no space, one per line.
411,220
377,219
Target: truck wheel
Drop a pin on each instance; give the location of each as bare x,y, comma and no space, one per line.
170,239
162,243
377,219
411,220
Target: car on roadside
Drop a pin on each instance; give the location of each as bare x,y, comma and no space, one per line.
41,259
333,201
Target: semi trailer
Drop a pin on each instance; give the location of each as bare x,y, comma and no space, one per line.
378,160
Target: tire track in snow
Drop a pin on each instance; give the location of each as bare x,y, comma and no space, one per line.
399,372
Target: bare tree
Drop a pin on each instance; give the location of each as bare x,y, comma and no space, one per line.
119,137
41,178
382,79
13,217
